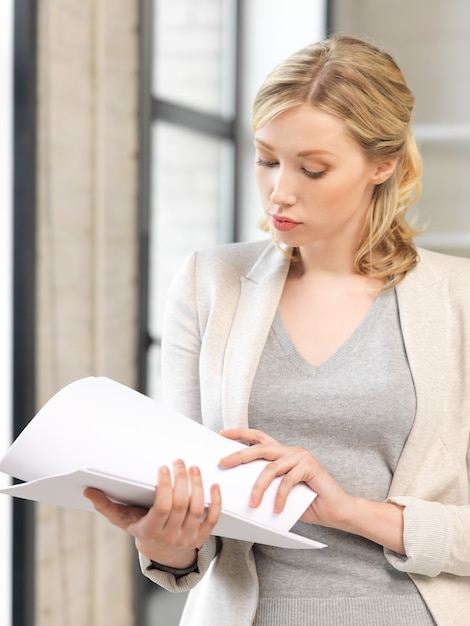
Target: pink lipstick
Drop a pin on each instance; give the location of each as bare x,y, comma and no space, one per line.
283,224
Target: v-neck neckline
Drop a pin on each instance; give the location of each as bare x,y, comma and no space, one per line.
344,349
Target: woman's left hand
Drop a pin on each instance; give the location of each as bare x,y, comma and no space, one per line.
295,465
381,522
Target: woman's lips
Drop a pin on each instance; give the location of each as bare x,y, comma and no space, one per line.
283,224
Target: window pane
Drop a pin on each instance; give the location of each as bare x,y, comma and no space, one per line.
191,204
194,54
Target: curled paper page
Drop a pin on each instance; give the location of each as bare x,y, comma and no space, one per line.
97,432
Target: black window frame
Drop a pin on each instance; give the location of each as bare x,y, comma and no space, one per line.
24,291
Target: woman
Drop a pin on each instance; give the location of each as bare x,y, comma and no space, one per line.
340,352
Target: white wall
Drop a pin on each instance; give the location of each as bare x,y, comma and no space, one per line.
271,30
430,39
6,89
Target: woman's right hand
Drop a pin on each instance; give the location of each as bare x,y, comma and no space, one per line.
176,524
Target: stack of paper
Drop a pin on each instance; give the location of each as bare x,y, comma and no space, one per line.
98,433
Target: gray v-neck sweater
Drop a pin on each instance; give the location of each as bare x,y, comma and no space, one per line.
354,413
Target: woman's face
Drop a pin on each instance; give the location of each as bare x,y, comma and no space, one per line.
314,179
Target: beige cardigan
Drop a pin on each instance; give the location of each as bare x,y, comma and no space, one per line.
219,313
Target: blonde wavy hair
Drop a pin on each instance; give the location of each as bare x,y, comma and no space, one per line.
360,84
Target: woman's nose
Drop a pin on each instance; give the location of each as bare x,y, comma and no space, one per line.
283,192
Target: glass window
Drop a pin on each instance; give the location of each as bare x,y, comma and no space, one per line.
194,53
192,143
191,208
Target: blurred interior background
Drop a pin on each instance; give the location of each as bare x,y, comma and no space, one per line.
125,144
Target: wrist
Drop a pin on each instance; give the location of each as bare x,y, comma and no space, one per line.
178,572
381,522
176,559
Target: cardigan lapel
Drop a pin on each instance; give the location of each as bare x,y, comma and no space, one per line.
424,308
260,292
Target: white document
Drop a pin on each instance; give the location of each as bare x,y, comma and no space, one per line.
98,433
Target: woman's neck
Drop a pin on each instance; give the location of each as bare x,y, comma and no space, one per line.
327,263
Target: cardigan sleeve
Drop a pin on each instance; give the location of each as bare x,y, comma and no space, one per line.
436,538
181,344
436,535
436,532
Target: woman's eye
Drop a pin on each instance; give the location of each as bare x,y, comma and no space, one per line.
314,175
265,163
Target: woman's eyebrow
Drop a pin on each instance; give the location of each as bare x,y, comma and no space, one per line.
263,143
304,153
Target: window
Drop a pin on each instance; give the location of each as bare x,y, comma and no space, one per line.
192,144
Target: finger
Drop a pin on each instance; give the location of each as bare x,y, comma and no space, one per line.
180,491
301,467
118,514
201,518
248,435
286,485
213,513
252,453
162,503
290,466
94,495
197,504
238,458
170,507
